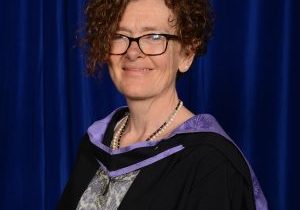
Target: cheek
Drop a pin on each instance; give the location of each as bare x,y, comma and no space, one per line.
174,57
113,66
173,62
167,66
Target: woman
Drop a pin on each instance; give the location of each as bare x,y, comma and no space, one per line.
155,153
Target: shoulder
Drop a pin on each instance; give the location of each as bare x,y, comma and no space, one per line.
99,128
202,134
215,149
221,169
83,170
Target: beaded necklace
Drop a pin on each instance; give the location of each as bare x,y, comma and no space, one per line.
115,143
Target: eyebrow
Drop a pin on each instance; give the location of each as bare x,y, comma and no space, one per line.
144,29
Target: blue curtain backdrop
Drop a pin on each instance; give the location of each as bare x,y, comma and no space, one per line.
249,80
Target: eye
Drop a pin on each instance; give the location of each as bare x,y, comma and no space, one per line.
154,37
118,37
157,37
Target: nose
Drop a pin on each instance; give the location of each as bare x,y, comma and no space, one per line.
134,52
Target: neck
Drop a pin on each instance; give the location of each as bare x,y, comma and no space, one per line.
146,116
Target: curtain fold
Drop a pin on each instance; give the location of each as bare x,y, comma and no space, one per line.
249,80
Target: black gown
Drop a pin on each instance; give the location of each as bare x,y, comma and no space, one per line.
188,171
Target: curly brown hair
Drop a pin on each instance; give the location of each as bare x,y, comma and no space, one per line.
194,24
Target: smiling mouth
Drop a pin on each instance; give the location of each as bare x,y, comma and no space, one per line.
137,69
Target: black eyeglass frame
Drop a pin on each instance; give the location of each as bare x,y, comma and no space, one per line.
137,40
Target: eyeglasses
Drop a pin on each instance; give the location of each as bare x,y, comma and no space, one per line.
149,44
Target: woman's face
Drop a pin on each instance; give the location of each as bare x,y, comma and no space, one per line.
137,75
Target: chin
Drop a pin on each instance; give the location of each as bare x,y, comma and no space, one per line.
136,94
135,98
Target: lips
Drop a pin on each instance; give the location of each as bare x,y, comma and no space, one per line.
137,69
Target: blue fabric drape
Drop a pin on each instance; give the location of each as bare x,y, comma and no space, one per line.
249,80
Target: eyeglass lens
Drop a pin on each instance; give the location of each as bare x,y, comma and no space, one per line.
151,44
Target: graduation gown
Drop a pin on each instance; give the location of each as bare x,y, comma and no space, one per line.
196,167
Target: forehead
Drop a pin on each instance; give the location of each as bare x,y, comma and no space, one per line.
147,15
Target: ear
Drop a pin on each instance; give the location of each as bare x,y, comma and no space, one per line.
186,59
